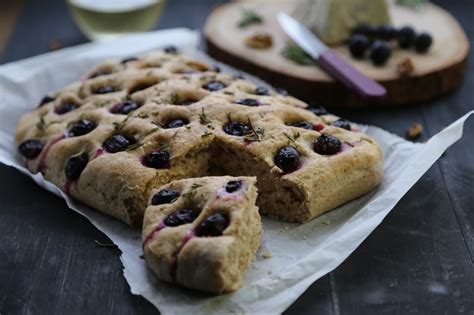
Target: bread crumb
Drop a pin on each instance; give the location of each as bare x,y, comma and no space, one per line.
266,254
304,237
55,44
326,222
414,131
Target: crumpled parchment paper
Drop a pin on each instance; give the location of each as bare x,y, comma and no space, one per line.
300,254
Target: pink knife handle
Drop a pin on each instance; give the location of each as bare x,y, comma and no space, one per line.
349,76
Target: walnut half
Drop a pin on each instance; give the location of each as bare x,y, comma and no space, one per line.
405,67
259,40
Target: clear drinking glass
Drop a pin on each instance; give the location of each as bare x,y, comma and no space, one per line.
108,19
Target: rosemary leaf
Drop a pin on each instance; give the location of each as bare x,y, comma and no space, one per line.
102,103
157,123
292,138
149,132
174,98
105,244
163,146
41,125
203,119
134,146
289,137
83,151
192,190
207,133
120,125
143,115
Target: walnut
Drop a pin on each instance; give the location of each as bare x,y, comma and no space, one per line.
405,67
259,40
414,131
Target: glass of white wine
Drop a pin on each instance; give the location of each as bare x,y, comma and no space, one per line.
107,19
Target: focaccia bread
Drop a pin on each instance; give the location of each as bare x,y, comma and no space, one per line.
131,125
203,233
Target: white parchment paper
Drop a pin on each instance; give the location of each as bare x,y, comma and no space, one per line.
300,254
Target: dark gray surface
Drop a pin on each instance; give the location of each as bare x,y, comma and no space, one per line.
420,259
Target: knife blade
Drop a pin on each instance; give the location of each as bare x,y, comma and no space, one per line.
329,60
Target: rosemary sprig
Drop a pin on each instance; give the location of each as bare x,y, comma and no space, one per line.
203,119
255,134
249,17
294,53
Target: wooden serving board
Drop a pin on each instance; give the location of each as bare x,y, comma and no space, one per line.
435,73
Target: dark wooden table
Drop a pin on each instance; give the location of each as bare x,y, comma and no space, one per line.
420,259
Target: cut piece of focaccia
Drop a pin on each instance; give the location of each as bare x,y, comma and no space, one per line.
203,233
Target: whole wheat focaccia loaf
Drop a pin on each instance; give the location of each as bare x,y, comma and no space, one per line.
134,124
203,233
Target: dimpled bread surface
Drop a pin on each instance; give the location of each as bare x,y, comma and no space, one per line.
170,86
181,255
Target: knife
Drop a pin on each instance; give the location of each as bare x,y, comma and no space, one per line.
329,60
